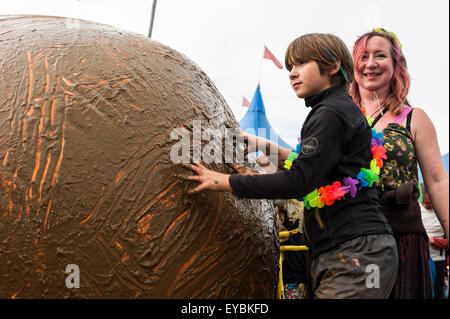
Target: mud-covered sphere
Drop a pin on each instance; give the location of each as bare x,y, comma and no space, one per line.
88,186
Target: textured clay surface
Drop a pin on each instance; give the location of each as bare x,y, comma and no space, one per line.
86,113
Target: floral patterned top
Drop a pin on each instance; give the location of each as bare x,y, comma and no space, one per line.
400,167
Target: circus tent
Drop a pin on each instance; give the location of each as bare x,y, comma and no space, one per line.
255,121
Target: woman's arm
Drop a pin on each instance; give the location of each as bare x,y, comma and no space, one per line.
430,160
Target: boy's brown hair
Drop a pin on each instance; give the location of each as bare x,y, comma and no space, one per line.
319,47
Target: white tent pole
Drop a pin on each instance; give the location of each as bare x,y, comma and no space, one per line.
260,65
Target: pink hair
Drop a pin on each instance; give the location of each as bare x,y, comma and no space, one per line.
400,81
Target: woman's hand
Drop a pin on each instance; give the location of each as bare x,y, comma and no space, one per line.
208,179
429,156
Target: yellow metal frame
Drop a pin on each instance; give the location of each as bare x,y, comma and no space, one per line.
285,235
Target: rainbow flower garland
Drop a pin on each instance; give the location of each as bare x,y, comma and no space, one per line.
293,155
327,195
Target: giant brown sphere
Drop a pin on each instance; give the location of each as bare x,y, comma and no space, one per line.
86,113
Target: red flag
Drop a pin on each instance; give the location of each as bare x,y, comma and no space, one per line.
268,55
245,102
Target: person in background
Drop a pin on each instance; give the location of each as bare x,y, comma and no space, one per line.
290,217
380,88
436,244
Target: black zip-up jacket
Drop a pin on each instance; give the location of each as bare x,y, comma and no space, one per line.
336,141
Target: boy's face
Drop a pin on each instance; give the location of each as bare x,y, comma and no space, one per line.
306,79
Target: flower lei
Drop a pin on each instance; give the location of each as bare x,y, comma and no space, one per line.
327,195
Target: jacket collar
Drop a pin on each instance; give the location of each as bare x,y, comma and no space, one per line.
313,100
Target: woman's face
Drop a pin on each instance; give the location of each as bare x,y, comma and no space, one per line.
376,67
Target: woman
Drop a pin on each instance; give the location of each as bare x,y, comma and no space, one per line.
380,87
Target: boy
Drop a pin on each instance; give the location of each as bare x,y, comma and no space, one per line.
353,250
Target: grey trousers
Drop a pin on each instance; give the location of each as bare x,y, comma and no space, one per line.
364,267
